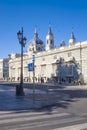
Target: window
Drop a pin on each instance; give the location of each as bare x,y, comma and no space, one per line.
55,57
39,49
47,41
69,54
51,41
43,59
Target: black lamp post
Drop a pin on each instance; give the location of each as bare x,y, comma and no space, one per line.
22,41
33,60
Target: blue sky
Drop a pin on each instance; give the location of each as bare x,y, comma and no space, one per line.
63,15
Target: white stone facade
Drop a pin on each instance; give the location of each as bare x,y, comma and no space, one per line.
4,69
64,63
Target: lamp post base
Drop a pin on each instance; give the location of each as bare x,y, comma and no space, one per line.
19,90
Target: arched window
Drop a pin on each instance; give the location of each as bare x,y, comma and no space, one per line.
51,41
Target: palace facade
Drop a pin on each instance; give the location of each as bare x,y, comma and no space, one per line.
66,63
4,68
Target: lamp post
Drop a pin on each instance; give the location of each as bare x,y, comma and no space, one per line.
22,41
33,61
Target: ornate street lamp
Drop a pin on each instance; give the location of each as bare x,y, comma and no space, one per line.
22,41
33,61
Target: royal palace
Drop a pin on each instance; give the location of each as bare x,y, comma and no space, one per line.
63,64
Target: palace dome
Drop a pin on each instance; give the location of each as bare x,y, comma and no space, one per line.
36,44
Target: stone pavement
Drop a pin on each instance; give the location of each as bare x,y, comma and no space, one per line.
75,87
9,100
31,100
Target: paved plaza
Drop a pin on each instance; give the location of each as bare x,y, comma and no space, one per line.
33,99
38,98
59,108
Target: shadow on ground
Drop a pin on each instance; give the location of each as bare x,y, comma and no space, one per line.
45,101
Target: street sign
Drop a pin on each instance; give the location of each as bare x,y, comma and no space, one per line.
30,67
